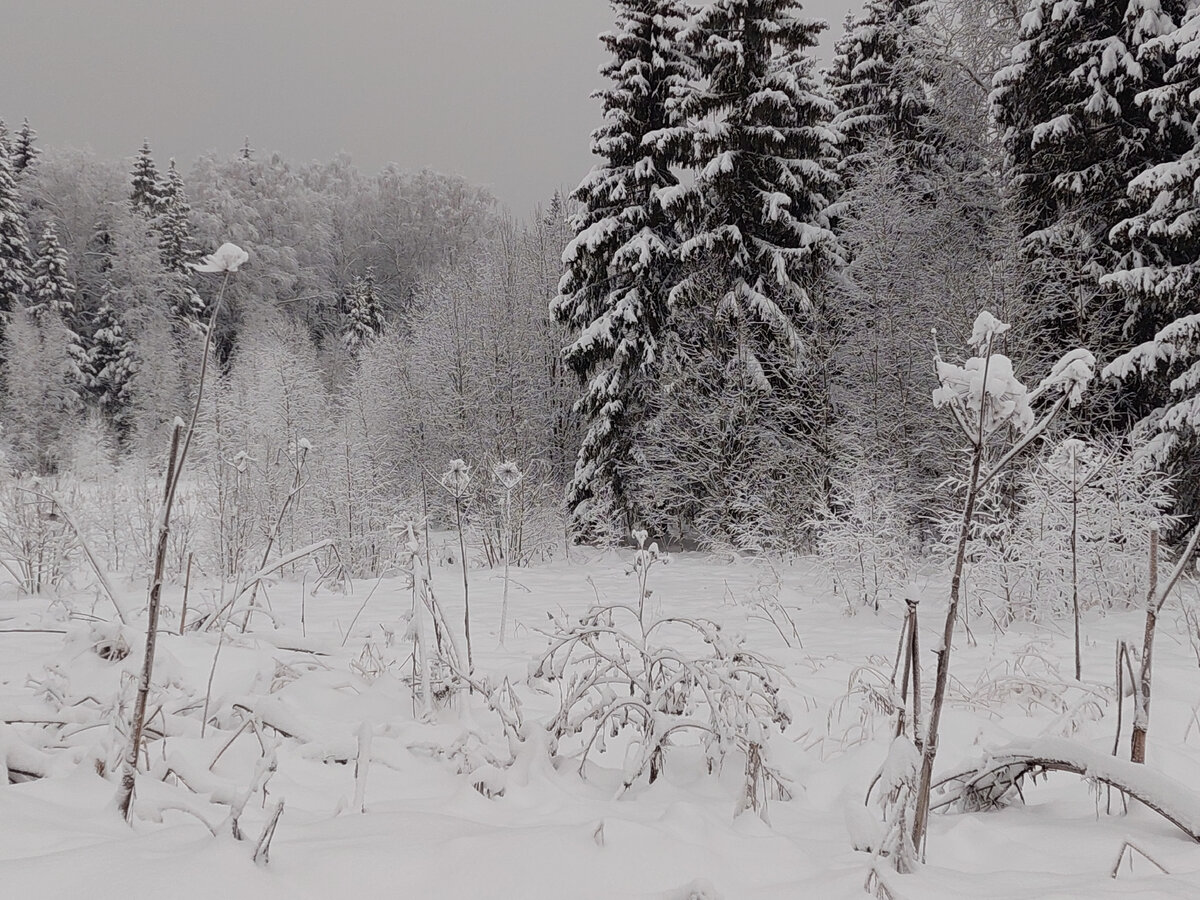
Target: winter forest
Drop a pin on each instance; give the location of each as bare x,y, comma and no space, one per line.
805,505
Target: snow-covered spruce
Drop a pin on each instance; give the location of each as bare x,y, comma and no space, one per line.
881,66
1159,276
734,445
1075,135
621,262
15,258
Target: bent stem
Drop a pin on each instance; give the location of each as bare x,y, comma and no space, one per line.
174,469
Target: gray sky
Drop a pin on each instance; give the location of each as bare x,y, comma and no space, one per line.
494,90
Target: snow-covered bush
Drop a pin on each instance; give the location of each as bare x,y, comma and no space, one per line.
264,458
37,546
866,541
635,684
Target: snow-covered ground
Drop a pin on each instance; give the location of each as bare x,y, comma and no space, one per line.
545,832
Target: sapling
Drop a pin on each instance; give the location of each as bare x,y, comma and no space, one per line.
1075,467
298,456
509,477
227,260
1076,537
987,403
456,480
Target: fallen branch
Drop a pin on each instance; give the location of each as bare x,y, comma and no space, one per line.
987,782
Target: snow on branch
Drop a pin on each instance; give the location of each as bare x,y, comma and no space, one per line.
989,781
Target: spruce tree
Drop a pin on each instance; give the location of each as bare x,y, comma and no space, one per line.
5,143
1159,273
757,245
1074,137
15,277
110,364
364,315
1158,270
755,217
619,266
23,151
878,76
146,196
175,246
52,293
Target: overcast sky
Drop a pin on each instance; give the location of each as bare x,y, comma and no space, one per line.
494,90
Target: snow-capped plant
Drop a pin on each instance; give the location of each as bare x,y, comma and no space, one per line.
456,480
894,793
436,660
226,260
640,684
994,413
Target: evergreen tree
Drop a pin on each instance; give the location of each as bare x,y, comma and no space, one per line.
1159,275
52,293
23,151
878,77
1074,137
52,304
15,279
364,315
619,266
757,242
110,364
175,245
5,144
1159,269
755,215
147,195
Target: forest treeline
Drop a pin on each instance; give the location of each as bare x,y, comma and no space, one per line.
725,334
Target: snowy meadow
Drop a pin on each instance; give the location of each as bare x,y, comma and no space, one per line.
309,736
806,505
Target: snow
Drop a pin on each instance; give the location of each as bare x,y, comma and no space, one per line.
227,258
986,385
1071,375
985,330
534,828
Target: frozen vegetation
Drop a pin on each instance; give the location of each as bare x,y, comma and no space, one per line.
805,506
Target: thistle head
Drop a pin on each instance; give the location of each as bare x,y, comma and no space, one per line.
457,478
508,474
